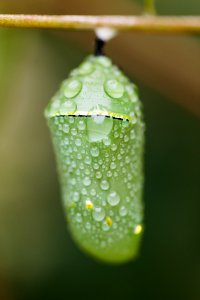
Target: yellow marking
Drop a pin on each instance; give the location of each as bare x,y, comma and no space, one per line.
89,204
95,112
138,229
109,221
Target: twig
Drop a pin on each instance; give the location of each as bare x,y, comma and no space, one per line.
149,7
134,23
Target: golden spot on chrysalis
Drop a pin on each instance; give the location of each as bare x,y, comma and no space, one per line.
138,229
89,204
109,221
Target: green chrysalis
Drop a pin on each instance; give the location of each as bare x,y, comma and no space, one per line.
97,129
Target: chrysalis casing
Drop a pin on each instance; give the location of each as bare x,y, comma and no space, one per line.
97,129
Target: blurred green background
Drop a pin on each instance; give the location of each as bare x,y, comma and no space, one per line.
38,259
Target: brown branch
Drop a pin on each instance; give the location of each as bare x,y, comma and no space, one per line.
134,23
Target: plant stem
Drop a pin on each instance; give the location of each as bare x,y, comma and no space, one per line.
149,7
134,23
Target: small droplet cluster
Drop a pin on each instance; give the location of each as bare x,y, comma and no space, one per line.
100,158
103,85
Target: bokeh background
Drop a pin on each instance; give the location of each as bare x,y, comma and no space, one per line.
38,259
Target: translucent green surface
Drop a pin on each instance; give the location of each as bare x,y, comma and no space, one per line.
97,130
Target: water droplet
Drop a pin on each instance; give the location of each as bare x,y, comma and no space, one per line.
122,151
87,171
130,89
104,61
111,213
76,196
78,218
127,160
114,147
105,226
84,191
71,120
81,125
104,185
88,160
66,128
98,128
88,226
107,141
125,123
94,151
68,106
113,199
132,134
86,181
81,166
95,166
98,175
86,68
93,192
114,88
113,165
126,138
78,142
98,214
130,176
71,87
133,117
55,104
73,131
116,134
109,173
122,211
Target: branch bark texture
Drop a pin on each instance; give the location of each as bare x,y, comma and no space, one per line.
135,23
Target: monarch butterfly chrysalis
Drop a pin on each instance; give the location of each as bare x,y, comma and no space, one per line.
97,129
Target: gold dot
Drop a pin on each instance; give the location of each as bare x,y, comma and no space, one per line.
89,204
109,221
138,229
